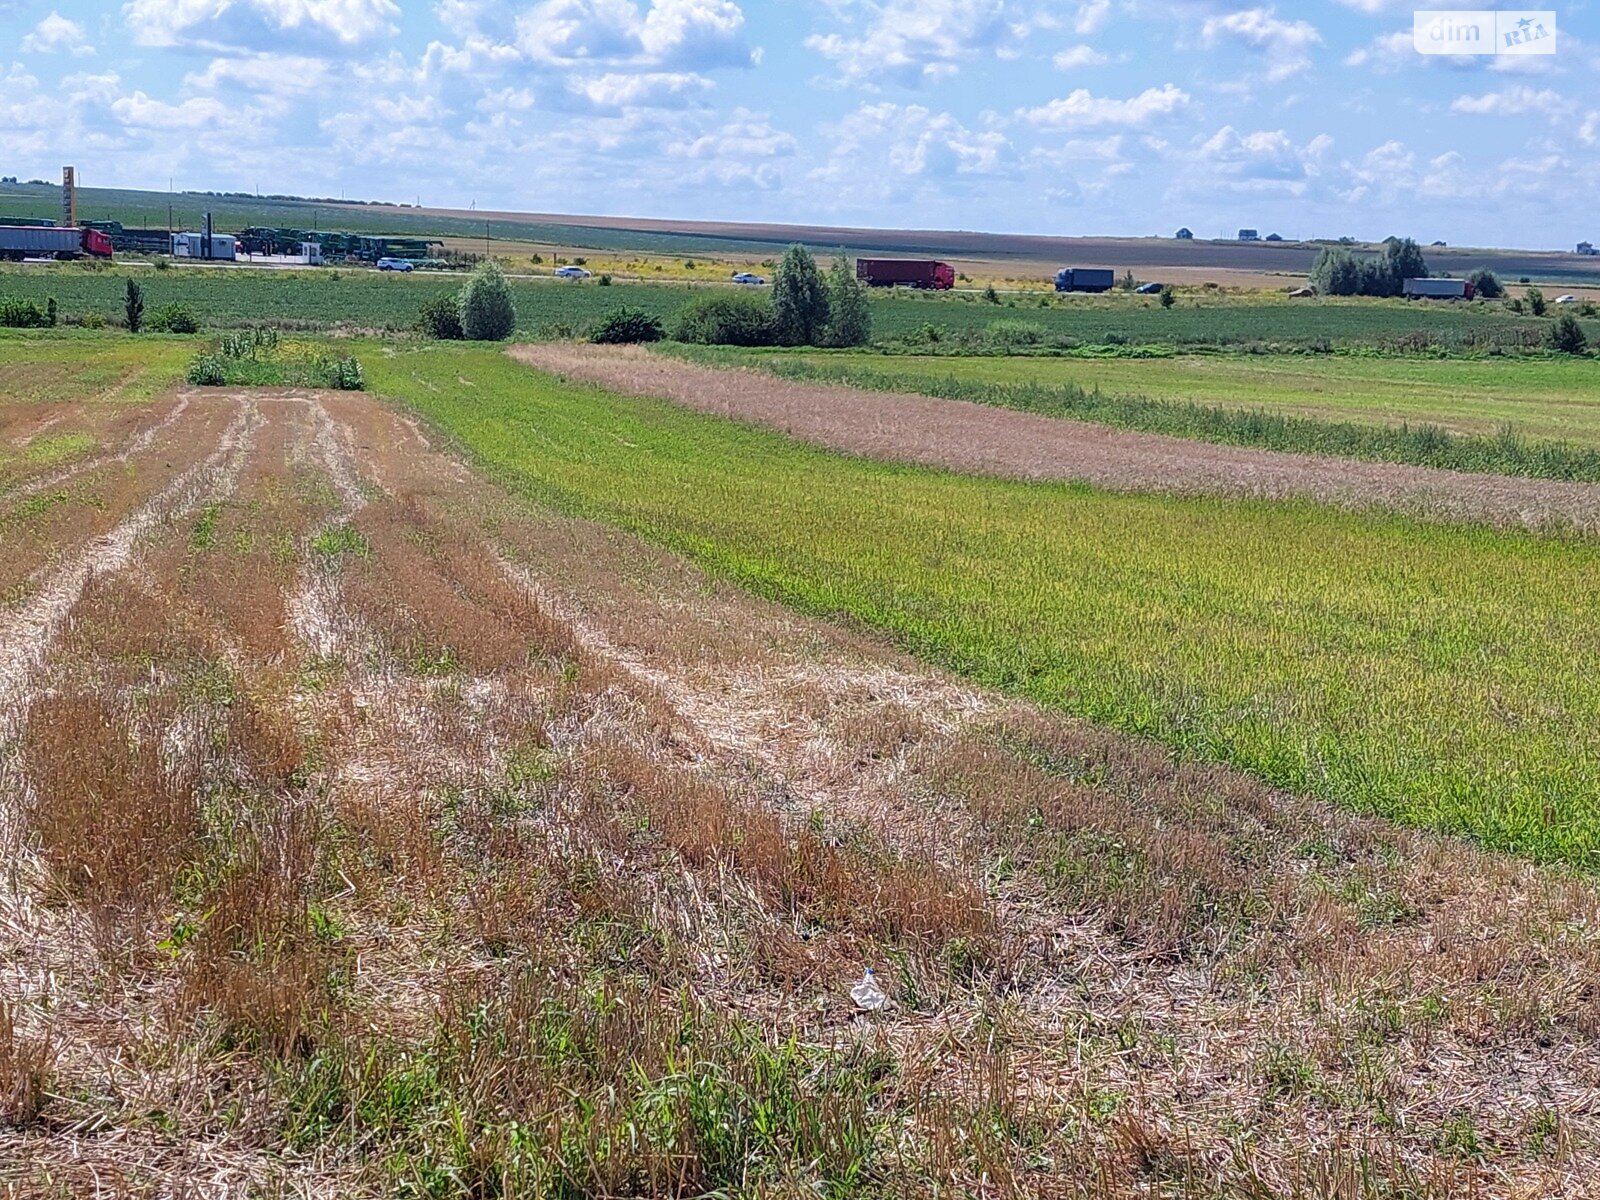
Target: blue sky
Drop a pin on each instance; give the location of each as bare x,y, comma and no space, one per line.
1069,117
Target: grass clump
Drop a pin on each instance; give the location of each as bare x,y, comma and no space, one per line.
257,358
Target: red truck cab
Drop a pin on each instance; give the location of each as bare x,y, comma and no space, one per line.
97,243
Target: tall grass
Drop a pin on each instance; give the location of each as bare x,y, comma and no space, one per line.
1442,675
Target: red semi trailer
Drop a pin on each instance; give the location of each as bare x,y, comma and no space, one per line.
906,272
18,242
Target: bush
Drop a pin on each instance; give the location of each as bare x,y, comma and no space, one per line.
92,320
799,299
604,280
133,306
174,318
734,319
849,311
22,314
1536,303
1008,335
487,314
990,296
440,318
1567,336
208,370
1486,284
625,326
1167,298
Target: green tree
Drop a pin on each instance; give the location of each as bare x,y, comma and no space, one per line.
1486,284
1403,260
849,313
440,318
133,306
799,299
1567,336
487,314
1167,298
1336,272
1536,304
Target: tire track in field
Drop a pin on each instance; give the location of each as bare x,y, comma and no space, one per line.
982,439
137,444
27,634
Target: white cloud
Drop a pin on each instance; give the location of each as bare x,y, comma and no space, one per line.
915,41
747,136
686,34
57,35
1263,161
890,147
1082,109
1589,131
660,89
1080,56
198,112
279,74
1091,15
1515,101
1286,43
247,23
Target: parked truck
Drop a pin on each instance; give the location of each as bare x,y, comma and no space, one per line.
906,272
1085,279
1438,289
18,242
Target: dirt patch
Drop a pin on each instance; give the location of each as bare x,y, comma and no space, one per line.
963,436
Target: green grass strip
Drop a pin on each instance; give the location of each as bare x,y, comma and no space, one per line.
1443,675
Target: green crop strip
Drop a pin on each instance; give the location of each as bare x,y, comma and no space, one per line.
1443,675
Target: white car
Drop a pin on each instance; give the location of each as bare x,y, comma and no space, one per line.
1566,299
746,277
572,273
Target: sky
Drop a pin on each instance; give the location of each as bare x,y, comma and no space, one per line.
1102,117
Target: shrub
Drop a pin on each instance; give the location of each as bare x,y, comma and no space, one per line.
604,280
92,320
1567,336
341,372
440,318
162,264
624,326
174,318
1167,298
487,314
52,312
1486,284
22,314
799,299
133,306
1536,303
733,319
849,313
1009,335
990,296
208,370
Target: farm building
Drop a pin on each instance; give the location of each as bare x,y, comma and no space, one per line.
1185,234
1249,235
1587,248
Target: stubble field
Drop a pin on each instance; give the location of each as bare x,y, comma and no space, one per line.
376,828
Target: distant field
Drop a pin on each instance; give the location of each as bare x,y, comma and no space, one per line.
1555,398
1441,675
366,299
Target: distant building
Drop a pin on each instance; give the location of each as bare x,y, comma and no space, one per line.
1185,234
1249,235
1587,248
1274,237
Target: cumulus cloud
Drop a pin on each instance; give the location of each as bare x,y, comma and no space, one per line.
1080,56
1082,109
198,112
281,74
893,146
688,34
1261,161
1285,43
1514,102
252,23
57,35
1091,15
659,89
914,41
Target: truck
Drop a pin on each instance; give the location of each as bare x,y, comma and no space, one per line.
1438,289
906,272
18,242
1085,279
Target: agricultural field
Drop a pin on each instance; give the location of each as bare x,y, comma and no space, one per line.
366,300
494,784
1555,398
